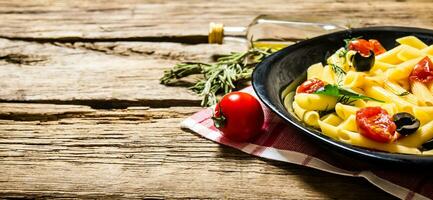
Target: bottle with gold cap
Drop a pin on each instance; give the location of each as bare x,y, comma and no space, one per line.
268,31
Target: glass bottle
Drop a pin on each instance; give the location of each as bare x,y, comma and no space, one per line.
270,31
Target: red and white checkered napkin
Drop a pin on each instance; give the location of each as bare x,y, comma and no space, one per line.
282,142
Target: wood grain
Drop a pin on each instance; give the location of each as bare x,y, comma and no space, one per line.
102,75
82,113
70,151
77,69
181,20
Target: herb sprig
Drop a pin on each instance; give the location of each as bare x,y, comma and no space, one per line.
403,93
347,41
219,77
400,94
344,96
339,72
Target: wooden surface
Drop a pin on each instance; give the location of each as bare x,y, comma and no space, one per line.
82,113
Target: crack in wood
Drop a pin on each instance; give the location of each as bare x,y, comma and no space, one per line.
23,59
57,194
69,114
37,117
186,39
115,103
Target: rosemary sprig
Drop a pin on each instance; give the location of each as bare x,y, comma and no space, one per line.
400,94
220,77
403,93
339,72
397,90
342,53
182,70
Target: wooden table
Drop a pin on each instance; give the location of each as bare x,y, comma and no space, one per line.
83,114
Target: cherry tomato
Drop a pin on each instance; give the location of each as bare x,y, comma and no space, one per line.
360,45
239,116
423,71
376,124
363,47
376,47
310,86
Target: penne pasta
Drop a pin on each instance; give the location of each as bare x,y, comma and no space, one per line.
349,124
345,111
428,50
423,134
400,91
422,92
315,71
408,53
412,41
423,113
390,56
328,75
389,97
365,108
382,66
358,140
312,118
332,119
354,79
402,70
315,102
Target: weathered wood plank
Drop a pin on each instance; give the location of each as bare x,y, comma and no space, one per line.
178,20
107,74
70,151
142,153
83,73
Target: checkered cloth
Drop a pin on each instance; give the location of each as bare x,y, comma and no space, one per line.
282,142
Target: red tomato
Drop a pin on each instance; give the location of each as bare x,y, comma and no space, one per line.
239,116
376,47
360,45
310,86
423,71
363,47
376,124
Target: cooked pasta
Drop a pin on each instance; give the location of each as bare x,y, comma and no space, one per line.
370,97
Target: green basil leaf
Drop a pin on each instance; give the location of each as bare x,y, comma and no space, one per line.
344,95
329,90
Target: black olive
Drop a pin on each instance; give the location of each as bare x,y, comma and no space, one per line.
406,123
427,145
363,63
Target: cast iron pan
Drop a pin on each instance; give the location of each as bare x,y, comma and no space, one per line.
277,71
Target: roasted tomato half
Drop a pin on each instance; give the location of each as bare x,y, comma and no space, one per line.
363,47
310,86
376,124
423,71
376,47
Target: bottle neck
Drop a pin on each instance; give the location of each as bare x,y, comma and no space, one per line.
265,28
235,30
303,25
218,31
